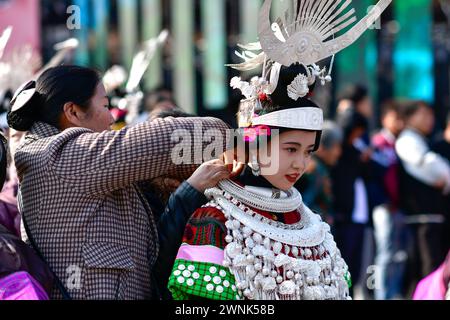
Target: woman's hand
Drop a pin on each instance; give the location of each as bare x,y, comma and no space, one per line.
233,160
208,175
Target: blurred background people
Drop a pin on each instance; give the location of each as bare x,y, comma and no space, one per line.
316,185
356,96
424,180
441,145
349,176
389,231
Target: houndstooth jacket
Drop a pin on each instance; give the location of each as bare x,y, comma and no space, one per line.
79,194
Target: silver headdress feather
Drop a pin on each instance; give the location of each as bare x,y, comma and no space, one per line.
4,39
306,35
308,31
251,59
20,65
142,60
63,50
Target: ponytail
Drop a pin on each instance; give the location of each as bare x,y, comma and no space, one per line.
24,107
43,100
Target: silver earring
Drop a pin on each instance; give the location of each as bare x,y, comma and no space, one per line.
256,169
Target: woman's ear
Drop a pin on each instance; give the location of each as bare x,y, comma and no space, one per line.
72,116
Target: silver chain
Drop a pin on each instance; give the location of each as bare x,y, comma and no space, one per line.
289,204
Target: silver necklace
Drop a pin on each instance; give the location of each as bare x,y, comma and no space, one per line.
254,200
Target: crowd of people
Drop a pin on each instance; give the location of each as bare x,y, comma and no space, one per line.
384,192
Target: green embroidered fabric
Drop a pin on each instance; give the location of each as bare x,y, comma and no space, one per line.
190,279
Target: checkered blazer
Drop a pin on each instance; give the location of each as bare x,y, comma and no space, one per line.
79,194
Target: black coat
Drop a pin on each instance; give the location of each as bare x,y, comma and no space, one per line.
172,222
344,174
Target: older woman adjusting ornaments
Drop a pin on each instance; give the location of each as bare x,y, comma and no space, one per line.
80,196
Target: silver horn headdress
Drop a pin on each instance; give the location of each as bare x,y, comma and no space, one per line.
306,34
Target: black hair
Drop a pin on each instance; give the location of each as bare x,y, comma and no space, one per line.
280,96
354,93
5,101
159,95
349,120
172,112
280,99
54,88
388,106
409,107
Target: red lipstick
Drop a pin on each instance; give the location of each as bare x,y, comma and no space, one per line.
292,178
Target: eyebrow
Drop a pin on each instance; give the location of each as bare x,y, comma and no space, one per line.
298,144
